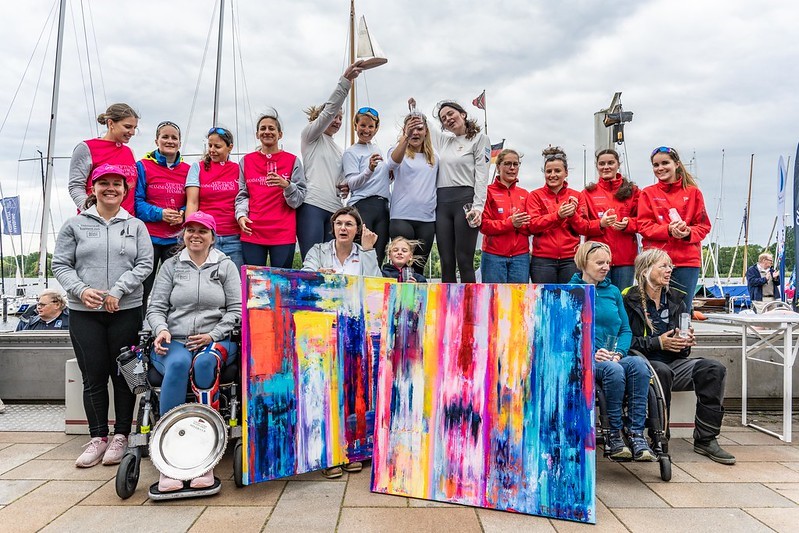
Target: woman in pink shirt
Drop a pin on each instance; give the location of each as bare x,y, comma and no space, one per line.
121,121
271,187
212,186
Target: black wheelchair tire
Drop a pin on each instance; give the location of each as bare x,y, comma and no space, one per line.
127,476
237,464
665,467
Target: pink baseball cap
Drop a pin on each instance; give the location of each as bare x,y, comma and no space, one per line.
105,169
203,219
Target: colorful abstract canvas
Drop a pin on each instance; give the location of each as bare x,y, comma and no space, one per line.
486,398
309,361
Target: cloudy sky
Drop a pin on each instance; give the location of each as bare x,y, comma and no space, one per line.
700,76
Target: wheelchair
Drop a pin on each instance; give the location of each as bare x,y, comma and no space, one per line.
656,424
225,418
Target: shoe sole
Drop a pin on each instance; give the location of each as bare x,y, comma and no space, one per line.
111,463
97,462
335,475
624,454
715,458
646,457
352,470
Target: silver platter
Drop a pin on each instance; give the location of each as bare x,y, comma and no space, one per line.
188,441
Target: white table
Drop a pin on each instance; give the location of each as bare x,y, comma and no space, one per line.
774,331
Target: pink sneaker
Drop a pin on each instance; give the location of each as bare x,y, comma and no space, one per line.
167,484
204,481
93,453
115,451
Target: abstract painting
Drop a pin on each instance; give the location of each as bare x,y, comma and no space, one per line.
486,397
309,361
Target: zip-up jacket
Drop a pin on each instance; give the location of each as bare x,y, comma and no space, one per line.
593,205
115,256
644,339
501,237
160,186
390,271
755,282
653,221
555,237
190,300
610,318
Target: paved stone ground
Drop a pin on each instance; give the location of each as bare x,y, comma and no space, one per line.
41,490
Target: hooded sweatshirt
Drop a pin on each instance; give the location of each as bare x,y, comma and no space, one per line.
610,318
190,300
114,256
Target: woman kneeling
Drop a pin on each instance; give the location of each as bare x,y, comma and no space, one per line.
618,373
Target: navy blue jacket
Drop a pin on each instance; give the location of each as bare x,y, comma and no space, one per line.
37,324
755,282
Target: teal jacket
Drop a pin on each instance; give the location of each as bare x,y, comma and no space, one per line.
610,318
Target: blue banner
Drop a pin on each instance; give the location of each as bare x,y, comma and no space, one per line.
795,216
12,223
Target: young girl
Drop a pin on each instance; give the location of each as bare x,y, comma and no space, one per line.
413,202
401,261
367,177
211,187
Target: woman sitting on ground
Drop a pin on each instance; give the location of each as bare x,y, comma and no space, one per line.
621,375
196,301
654,309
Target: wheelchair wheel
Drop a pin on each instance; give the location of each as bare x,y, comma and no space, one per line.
665,467
238,471
127,476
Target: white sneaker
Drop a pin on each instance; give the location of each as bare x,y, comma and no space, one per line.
93,453
2,406
115,451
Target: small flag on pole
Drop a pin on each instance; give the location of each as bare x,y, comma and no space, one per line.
12,224
480,101
495,150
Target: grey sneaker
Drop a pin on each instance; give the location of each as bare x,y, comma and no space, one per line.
115,451
714,451
93,453
618,448
641,450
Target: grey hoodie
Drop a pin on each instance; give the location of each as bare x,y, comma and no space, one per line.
190,300
115,256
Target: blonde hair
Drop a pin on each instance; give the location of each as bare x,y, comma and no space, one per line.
644,264
765,255
586,249
427,144
413,244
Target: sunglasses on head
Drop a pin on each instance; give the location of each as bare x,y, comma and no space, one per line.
167,123
553,157
663,150
369,111
594,246
218,131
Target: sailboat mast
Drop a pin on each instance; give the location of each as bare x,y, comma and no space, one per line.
748,215
48,180
218,61
352,60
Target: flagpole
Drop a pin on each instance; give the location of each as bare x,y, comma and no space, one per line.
485,114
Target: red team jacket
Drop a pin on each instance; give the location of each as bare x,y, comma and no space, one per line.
593,204
500,236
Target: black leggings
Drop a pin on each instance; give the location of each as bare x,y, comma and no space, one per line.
415,229
280,255
161,252
456,240
97,337
374,212
313,227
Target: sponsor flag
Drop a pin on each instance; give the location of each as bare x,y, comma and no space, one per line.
12,223
480,101
795,216
495,150
782,172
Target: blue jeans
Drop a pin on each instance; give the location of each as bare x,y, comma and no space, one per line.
622,276
627,378
500,269
175,366
685,279
230,245
313,227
